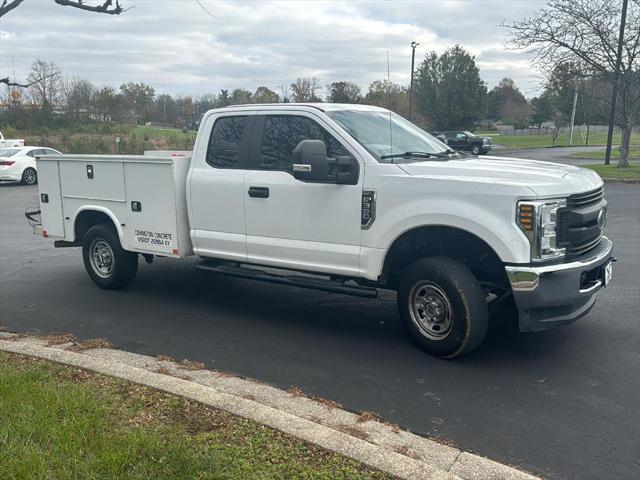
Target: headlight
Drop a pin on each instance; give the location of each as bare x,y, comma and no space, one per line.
485,141
539,221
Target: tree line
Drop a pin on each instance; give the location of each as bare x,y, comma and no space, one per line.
448,95
591,62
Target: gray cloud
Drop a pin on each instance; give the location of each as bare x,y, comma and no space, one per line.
176,47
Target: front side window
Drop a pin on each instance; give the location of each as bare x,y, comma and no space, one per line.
281,135
225,141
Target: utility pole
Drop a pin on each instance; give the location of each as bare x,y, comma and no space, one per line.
616,78
413,60
573,113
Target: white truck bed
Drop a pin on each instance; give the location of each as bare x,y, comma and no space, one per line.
116,185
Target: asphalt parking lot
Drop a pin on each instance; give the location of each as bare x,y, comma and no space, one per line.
564,404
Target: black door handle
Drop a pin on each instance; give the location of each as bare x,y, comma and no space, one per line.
259,192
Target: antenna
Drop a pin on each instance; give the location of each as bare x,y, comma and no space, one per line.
389,104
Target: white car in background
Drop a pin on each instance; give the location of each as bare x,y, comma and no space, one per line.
19,164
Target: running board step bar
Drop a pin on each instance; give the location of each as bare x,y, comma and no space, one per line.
326,285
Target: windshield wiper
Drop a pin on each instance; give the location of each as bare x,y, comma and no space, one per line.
414,155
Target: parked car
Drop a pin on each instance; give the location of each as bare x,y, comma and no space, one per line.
466,141
324,190
9,142
19,164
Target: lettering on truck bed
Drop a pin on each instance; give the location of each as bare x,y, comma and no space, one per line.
146,237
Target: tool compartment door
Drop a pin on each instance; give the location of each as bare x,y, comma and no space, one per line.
151,201
50,197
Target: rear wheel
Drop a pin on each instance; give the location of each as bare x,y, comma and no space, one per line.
29,176
443,306
109,266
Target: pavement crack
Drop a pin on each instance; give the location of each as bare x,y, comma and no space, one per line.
454,461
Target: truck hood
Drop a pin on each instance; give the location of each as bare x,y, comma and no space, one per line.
545,179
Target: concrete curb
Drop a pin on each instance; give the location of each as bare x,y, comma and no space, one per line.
362,438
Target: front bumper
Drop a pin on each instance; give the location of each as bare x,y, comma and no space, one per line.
553,295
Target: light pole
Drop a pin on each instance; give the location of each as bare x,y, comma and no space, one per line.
413,60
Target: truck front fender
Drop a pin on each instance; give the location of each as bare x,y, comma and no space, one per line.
490,224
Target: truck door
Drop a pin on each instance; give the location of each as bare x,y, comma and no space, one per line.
217,188
292,223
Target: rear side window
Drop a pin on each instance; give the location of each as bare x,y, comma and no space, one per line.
225,141
281,135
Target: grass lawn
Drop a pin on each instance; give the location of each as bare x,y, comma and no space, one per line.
634,152
612,171
64,423
537,141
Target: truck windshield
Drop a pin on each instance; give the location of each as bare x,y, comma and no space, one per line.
389,137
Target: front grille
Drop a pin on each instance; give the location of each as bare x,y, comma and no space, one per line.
578,228
580,200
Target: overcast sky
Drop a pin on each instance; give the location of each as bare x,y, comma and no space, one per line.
178,48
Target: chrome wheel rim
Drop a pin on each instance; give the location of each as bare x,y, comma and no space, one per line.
430,310
30,176
102,258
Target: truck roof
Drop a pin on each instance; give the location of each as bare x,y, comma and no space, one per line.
324,107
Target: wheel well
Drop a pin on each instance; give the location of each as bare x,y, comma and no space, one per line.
443,241
87,219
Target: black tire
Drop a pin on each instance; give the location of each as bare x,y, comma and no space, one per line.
445,285
116,268
475,149
29,176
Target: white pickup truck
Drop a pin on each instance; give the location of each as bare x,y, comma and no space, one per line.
10,142
347,199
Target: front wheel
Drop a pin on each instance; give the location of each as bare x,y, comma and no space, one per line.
107,263
475,149
29,176
443,307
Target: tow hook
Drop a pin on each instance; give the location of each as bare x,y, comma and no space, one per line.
148,257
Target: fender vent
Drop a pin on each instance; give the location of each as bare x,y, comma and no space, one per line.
368,214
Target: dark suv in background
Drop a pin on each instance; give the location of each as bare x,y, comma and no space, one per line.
466,141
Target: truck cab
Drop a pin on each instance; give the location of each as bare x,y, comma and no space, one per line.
349,199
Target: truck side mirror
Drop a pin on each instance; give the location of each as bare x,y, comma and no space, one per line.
310,162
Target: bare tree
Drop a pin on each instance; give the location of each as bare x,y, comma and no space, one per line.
585,33
78,95
285,92
45,83
106,6
304,90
